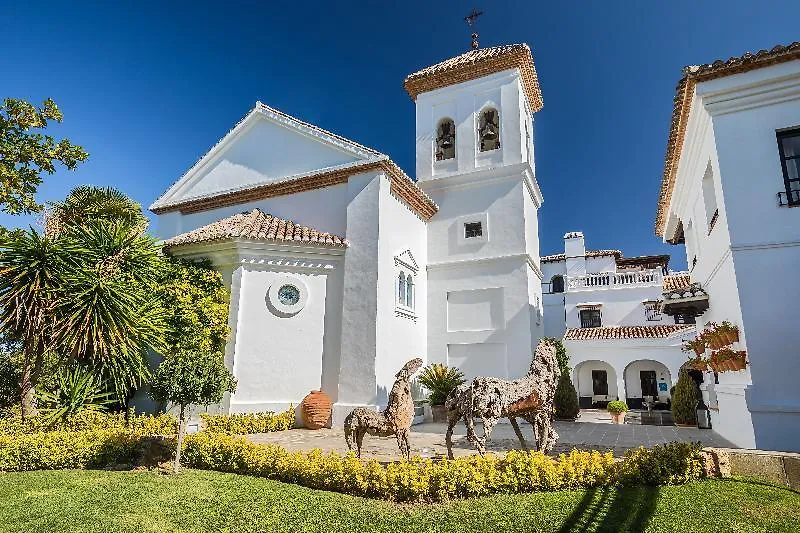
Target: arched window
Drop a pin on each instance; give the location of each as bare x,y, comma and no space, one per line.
445,140
557,283
401,289
410,292
489,130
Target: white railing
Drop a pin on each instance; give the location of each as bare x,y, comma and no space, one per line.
602,280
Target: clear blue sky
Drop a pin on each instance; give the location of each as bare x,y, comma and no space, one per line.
148,88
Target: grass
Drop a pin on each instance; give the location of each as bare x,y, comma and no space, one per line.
119,502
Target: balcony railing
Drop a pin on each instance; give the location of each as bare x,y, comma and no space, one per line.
790,199
602,280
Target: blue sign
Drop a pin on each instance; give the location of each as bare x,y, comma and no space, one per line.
662,387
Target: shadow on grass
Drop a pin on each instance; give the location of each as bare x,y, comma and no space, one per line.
606,509
760,482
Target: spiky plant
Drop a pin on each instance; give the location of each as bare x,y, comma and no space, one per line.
78,388
440,380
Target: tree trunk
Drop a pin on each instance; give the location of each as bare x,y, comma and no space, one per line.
28,397
181,430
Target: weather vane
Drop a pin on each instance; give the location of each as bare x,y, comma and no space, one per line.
470,19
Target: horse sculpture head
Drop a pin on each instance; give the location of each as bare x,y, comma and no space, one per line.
409,368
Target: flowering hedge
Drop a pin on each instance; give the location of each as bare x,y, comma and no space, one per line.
427,480
246,423
92,421
68,449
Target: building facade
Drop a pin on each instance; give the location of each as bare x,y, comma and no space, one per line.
605,307
341,268
730,183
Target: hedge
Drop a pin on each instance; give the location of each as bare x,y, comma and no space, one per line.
92,421
246,423
53,450
426,480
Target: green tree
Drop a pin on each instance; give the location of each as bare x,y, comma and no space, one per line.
566,400
25,154
85,293
190,378
684,399
87,203
561,353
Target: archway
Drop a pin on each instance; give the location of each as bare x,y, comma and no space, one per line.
647,378
596,383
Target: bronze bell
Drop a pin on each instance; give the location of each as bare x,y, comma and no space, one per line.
490,132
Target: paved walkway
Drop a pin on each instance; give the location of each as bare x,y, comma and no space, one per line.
592,431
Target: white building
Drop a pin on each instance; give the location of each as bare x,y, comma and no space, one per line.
605,307
341,268
731,179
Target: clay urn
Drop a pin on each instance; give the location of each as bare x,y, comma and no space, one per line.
316,409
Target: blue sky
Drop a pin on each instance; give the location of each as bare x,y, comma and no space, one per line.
148,88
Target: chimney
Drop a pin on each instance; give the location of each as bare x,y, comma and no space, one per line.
575,252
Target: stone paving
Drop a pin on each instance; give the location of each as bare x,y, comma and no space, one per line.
592,431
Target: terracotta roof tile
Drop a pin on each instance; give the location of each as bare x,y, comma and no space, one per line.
676,281
476,64
682,103
626,332
256,226
589,253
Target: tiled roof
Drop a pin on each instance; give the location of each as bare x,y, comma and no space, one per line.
589,253
676,281
477,64
682,103
626,332
256,226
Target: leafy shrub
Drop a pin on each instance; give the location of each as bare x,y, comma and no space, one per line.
669,464
566,399
561,353
616,407
247,423
92,421
684,399
67,449
440,380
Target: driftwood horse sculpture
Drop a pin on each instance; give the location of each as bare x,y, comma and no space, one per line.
394,420
490,399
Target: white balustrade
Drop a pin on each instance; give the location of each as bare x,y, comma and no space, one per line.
602,280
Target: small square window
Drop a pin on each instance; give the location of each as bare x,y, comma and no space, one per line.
472,230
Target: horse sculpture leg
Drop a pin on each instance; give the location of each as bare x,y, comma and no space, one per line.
488,425
470,423
402,443
518,431
452,420
360,432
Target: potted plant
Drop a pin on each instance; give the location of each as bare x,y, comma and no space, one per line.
729,332
617,410
728,359
440,380
698,363
698,345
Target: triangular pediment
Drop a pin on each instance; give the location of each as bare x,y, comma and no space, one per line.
406,259
265,147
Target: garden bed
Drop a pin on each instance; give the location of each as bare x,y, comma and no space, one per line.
94,501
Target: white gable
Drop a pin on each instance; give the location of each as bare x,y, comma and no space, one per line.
267,146
406,259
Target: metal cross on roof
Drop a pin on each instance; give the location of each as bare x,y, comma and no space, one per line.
471,19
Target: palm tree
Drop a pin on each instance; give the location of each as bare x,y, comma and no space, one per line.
84,290
87,202
30,278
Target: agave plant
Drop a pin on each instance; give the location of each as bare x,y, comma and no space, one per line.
440,380
78,389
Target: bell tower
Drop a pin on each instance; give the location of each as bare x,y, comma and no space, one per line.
474,149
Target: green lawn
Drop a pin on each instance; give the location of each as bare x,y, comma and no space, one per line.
77,500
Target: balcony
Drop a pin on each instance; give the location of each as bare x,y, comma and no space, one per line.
610,280
790,199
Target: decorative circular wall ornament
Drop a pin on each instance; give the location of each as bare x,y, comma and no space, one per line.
287,296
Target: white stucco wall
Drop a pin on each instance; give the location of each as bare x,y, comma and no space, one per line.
754,244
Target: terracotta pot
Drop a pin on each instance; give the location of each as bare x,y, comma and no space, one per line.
739,363
731,337
316,409
439,413
618,418
715,367
699,350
